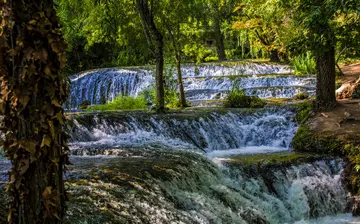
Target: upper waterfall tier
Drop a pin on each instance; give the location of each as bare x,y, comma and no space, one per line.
100,86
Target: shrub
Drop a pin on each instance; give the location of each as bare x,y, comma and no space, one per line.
238,99
304,64
123,103
301,96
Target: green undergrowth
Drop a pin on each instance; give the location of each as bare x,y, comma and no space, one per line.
304,64
238,99
302,96
122,103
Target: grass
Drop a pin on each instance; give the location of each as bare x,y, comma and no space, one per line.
304,64
123,103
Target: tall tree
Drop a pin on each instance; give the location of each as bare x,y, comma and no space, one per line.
218,13
264,19
32,93
317,29
173,15
156,44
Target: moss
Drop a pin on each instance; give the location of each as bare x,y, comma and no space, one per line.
307,141
304,111
266,159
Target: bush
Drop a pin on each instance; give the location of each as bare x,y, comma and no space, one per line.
302,96
238,99
304,64
123,103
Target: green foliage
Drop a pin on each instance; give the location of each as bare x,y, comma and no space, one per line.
302,96
304,64
123,103
238,99
171,88
102,34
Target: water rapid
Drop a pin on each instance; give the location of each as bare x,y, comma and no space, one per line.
202,82
203,131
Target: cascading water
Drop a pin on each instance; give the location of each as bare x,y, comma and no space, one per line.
98,87
203,82
183,167
181,187
269,130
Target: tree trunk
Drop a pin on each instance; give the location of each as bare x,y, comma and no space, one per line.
274,55
156,45
32,55
159,55
325,80
182,99
219,37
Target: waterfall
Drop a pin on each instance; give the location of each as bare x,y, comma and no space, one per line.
202,82
237,129
100,86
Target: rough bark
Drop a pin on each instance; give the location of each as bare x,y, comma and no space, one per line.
325,77
219,38
32,54
182,99
156,45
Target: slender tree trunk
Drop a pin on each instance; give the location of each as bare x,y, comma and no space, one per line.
325,77
219,38
160,93
182,99
156,45
32,55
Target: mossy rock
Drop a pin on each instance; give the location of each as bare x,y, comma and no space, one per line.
307,141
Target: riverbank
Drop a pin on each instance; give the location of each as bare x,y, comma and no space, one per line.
337,132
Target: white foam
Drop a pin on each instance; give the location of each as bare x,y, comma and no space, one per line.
245,150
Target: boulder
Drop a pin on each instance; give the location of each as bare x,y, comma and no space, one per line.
349,90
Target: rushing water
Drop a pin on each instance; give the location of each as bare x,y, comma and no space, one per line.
193,189
238,129
204,82
180,167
